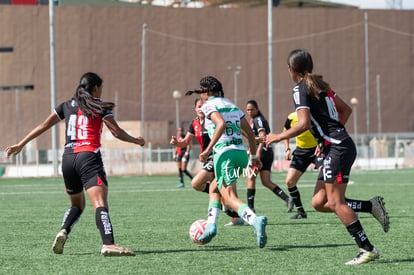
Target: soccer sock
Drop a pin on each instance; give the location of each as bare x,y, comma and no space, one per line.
213,212
279,192
295,194
70,218
359,206
250,198
246,213
231,213
180,175
188,174
207,188
358,234
103,222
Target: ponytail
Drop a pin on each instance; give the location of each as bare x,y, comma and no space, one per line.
315,84
300,61
89,105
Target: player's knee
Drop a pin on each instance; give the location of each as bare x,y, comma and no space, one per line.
268,184
318,204
290,183
196,184
332,204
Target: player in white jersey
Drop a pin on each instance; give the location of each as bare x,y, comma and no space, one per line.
224,123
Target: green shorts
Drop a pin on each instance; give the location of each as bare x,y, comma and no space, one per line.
229,165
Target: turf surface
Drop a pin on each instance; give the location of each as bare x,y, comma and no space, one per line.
152,217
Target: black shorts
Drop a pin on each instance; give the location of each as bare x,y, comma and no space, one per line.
302,158
82,170
338,161
182,157
209,164
266,157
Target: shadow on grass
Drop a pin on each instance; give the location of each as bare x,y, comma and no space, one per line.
78,254
294,222
392,217
393,261
317,246
216,248
207,249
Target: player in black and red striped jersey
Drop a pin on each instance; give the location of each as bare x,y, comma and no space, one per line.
82,165
201,181
182,157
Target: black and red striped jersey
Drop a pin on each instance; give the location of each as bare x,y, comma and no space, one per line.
197,129
83,134
180,150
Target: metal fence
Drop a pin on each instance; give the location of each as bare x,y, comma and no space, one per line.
386,151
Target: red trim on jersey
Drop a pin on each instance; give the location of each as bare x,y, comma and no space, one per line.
88,133
331,95
198,132
178,150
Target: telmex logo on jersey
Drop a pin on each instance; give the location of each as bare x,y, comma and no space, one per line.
296,94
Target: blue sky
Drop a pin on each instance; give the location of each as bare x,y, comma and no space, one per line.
376,4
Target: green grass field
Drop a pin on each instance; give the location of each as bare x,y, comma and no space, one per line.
152,217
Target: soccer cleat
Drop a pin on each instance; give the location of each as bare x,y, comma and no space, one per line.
116,250
235,222
180,185
290,204
364,256
209,233
299,215
60,241
379,212
259,225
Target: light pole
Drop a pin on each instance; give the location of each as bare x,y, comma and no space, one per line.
236,71
177,95
379,103
354,103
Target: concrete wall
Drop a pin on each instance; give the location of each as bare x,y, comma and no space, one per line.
183,45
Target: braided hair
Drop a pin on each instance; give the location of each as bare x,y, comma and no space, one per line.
212,86
89,105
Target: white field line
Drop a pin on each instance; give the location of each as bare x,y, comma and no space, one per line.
131,189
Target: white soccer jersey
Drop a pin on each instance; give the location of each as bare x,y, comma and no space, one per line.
232,136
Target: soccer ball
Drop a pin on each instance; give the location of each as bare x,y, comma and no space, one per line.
197,229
